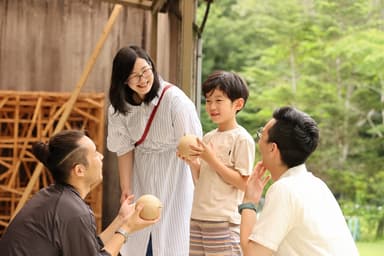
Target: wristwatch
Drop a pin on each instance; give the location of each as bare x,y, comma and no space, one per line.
123,233
249,205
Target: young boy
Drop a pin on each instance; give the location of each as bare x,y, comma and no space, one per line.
220,167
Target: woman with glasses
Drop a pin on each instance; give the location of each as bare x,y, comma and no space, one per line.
145,144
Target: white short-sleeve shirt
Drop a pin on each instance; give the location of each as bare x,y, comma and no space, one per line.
302,217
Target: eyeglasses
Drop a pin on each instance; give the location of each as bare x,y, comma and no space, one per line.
259,133
135,79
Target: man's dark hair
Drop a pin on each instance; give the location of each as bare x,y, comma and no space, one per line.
61,153
295,133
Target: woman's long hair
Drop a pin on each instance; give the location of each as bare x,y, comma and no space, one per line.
120,93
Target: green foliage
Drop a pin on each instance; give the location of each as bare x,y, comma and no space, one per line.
375,248
325,57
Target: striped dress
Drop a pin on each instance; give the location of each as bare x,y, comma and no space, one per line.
157,170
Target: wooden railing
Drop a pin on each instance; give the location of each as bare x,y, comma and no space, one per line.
27,117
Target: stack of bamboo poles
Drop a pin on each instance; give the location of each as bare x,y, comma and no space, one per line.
27,117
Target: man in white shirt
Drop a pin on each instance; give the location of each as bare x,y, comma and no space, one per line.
300,215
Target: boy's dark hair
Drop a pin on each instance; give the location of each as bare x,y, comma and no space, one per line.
295,133
230,83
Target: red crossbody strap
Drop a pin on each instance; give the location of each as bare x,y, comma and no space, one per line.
141,140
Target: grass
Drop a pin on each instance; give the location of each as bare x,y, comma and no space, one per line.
371,248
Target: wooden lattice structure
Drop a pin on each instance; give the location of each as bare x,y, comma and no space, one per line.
27,117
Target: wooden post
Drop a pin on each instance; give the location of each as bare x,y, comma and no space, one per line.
153,51
70,103
187,48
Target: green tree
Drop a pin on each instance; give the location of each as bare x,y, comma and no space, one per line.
326,58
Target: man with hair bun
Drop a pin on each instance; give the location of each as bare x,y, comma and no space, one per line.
57,220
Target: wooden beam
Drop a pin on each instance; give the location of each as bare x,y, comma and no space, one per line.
158,5
70,103
143,4
32,126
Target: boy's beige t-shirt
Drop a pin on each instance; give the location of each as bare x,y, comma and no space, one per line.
214,199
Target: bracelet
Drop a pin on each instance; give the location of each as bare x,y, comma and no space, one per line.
243,206
123,233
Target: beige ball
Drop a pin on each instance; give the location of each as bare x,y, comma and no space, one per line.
184,145
152,207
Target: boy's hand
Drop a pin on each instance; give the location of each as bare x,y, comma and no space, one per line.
204,151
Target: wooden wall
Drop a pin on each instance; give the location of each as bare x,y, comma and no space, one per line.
45,45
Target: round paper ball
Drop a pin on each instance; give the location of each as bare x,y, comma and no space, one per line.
184,145
152,207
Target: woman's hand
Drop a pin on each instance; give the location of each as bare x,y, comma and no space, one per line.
126,208
126,195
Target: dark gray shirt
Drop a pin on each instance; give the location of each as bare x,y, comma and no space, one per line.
55,221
